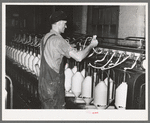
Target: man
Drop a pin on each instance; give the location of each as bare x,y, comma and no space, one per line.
54,48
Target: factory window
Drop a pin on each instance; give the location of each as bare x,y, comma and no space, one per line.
103,21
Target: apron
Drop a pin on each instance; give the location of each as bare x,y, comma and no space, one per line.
51,84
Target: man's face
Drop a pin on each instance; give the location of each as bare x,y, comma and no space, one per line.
62,26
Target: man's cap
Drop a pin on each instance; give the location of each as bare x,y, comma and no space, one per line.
57,16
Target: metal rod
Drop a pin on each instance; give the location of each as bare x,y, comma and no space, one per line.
142,86
127,38
102,58
108,87
11,92
124,77
93,83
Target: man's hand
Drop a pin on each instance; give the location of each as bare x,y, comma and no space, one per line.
94,41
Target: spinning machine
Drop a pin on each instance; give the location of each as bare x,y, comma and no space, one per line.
112,76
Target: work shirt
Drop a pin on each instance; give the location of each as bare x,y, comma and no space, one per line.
55,49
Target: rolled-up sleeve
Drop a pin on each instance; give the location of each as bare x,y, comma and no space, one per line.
64,47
